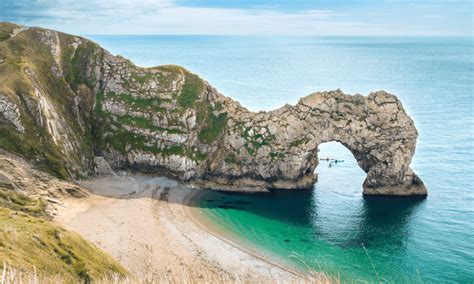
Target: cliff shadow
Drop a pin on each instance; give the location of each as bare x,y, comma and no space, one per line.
334,210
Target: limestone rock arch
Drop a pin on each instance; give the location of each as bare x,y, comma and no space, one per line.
278,149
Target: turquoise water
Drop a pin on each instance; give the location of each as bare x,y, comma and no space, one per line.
332,227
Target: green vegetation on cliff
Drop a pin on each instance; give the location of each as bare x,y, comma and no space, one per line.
16,201
5,30
29,82
4,35
193,86
28,145
214,126
79,65
75,100
254,140
144,104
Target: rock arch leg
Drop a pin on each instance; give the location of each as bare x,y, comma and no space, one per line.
388,173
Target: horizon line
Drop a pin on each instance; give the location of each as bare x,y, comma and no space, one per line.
282,35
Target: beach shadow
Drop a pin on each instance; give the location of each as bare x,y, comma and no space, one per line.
284,205
368,221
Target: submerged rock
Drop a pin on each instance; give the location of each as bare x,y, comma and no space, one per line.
88,103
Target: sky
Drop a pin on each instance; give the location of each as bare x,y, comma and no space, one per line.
246,17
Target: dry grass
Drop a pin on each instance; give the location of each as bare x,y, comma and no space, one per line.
176,275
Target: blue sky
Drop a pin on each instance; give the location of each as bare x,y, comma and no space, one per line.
260,17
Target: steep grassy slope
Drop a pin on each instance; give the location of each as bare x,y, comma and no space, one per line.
29,240
48,131
32,243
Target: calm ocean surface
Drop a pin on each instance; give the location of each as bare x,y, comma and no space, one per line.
333,228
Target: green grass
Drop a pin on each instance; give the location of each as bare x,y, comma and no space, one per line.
144,123
28,239
173,150
122,139
4,35
5,30
255,141
138,121
143,104
193,86
230,158
45,155
199,156
20,202
215,126
134,101
142,78
80,64
274,155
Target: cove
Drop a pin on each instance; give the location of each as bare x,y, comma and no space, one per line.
432,76
334,229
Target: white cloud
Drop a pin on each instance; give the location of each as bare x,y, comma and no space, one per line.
166,17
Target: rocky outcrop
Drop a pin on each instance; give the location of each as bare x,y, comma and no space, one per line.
11,113
278,149
79,101
17,175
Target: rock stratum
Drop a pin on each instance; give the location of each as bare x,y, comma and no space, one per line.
66,104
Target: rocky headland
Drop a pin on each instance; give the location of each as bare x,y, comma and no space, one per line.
73,109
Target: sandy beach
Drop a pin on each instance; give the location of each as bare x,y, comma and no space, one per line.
146,224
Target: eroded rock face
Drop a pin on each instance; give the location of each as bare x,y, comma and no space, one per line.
278,149
78,101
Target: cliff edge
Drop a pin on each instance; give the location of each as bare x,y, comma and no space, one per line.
64,101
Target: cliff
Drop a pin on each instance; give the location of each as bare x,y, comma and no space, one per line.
64,101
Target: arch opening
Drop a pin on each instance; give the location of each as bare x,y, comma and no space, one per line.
338,169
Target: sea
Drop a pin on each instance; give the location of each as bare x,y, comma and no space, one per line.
333,228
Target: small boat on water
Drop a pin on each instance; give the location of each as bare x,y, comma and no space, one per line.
326,159
331,160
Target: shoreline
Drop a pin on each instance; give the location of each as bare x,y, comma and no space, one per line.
220,233
146,224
